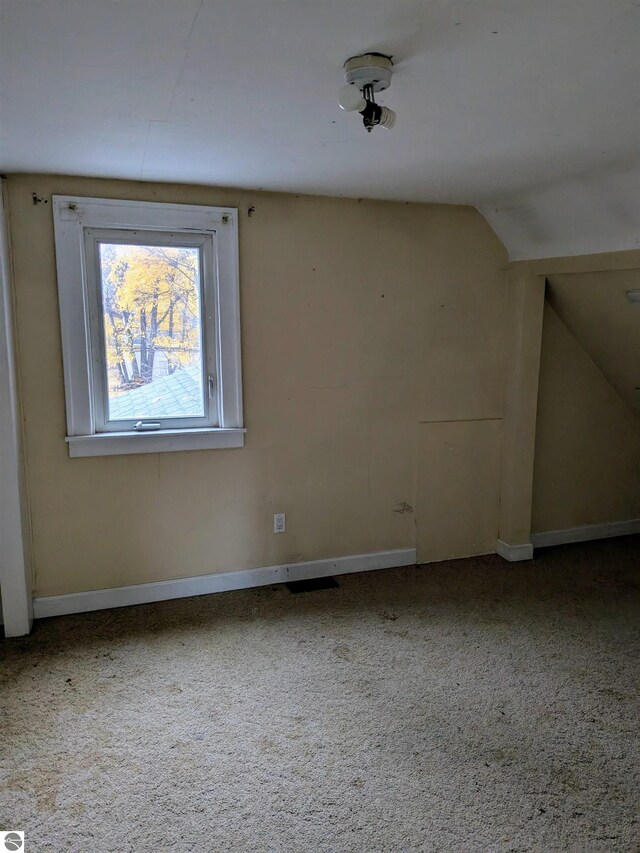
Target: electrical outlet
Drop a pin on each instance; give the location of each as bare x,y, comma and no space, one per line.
279,522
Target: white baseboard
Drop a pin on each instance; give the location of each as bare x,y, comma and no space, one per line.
122,596
514,553
585,534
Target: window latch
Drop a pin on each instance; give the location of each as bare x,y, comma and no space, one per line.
211,382
146,426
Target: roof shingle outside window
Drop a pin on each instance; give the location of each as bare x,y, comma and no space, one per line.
176,396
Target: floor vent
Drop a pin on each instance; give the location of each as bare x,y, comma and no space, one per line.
312,585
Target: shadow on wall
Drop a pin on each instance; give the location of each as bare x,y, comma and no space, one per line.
587,460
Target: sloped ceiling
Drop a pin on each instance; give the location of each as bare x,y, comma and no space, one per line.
528,109
595,309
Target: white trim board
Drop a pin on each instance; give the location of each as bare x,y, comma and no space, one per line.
123,596
585,534
14,557
514,553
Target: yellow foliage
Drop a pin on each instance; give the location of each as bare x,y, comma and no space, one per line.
151,307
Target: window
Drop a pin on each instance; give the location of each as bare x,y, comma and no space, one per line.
149,310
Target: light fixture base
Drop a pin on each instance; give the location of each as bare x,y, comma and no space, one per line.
369,69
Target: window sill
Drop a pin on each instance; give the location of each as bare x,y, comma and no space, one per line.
121,443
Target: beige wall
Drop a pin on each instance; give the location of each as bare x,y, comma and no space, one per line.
525,307
587,459
583,467
595,309
459,488
370,331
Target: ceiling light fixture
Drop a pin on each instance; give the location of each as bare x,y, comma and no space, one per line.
365,75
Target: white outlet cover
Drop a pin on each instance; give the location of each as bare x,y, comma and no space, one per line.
279,522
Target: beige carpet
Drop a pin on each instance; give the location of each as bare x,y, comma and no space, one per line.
463,706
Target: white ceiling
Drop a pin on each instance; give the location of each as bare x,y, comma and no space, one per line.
529,109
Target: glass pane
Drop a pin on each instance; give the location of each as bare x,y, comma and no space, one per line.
152,331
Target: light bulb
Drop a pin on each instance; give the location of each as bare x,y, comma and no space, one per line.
387,118
351,99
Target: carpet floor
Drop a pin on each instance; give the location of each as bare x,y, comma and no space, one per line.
463,706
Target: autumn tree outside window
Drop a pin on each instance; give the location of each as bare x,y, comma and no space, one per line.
149,308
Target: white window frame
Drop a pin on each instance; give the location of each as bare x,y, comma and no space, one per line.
78,223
